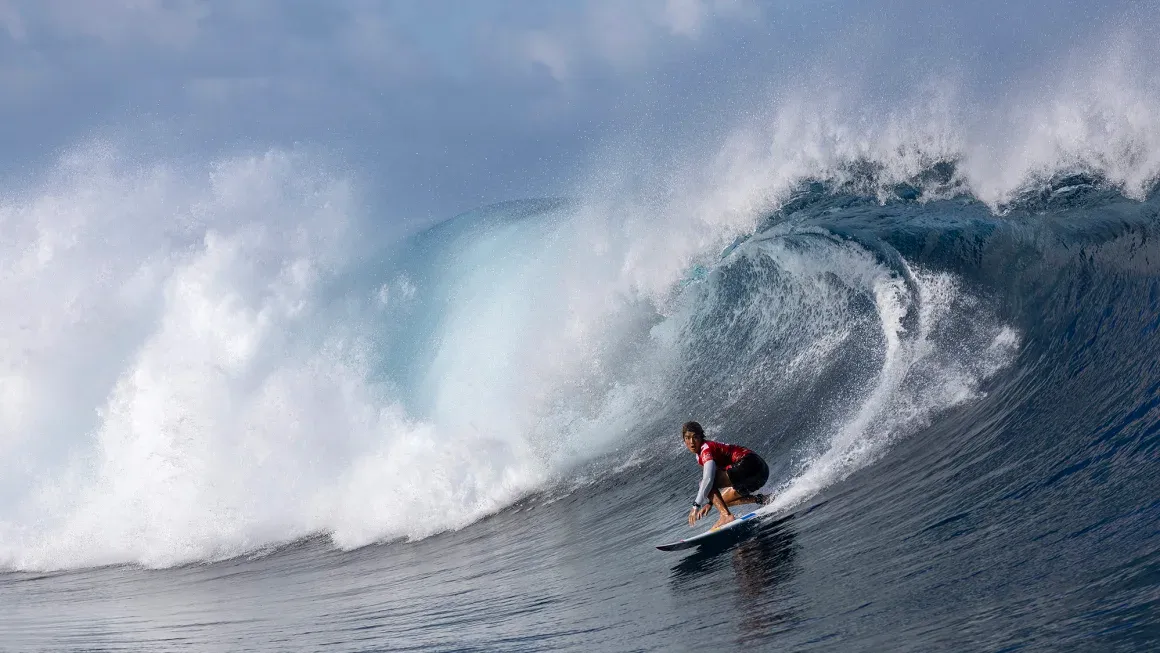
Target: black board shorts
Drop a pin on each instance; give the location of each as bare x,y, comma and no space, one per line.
748,474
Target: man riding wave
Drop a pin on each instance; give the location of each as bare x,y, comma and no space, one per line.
731,474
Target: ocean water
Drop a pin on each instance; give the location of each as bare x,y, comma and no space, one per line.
252,425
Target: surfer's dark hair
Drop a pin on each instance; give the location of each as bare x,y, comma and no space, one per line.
692,427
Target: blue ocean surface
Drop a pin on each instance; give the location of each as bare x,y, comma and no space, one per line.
959,402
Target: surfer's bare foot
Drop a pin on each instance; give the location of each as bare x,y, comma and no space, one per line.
725,519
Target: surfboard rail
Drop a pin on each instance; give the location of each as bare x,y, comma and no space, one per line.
709,535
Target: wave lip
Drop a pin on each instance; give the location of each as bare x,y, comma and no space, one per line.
801,315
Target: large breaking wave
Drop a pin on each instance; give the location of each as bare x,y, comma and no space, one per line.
202,362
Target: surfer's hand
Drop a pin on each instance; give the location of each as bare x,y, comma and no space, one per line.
697,513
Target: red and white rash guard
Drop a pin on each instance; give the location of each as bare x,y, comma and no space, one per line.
714,455
722,454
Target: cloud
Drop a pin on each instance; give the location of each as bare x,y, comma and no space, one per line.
685,16
450,104
548,51
170,23
622,35
11,21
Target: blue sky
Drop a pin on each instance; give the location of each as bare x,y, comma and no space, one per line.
443,106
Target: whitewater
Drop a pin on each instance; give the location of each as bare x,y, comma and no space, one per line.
235,409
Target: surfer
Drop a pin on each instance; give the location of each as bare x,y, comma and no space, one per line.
731,475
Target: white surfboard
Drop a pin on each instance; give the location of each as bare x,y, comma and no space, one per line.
709,535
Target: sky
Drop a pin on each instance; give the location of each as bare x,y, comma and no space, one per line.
443,106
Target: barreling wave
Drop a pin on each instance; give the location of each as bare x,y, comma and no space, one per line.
208,361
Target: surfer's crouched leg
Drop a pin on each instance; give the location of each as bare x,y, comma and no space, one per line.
747,476
720,500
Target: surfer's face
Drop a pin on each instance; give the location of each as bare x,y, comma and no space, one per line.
692,442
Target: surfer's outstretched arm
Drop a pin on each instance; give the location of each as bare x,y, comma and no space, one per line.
705,493
708,479
709,495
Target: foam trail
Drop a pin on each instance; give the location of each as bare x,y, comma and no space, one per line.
918,377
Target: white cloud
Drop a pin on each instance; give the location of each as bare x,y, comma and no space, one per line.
623,35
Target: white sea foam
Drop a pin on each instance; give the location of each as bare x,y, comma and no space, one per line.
919,376
182,383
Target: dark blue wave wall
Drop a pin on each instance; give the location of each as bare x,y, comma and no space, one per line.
1030,513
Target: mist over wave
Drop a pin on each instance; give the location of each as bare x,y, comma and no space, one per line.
205,361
